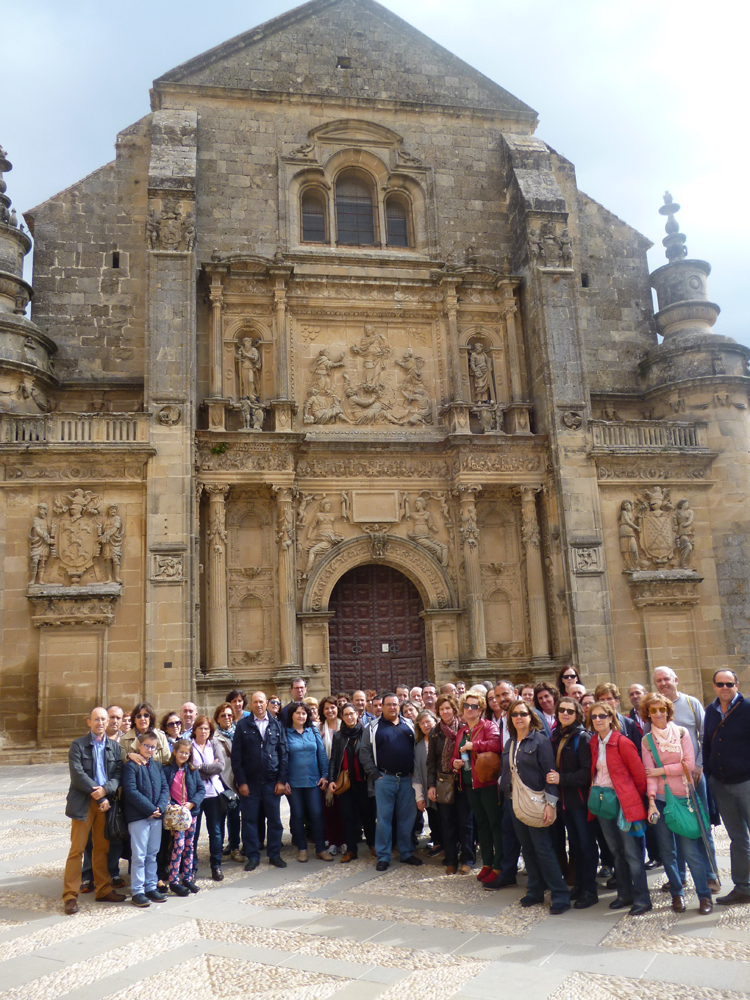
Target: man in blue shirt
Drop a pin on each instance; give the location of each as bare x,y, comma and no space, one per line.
387,755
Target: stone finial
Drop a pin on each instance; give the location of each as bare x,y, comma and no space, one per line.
674,241
5,165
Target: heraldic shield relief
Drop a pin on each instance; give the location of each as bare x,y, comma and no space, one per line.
655,533
77,532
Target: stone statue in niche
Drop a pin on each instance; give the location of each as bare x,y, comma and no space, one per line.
629,530
480,369
41,542
252,414
322,536
684,534
423,531
249,364
111,534
419,407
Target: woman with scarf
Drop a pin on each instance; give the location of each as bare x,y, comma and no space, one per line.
328,725
225,726
426,722
456,822
357,808
673,747
618,784
572,775
208,758
479,735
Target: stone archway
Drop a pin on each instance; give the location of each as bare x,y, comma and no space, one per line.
435,589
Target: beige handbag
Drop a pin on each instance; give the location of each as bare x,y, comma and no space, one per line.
528,805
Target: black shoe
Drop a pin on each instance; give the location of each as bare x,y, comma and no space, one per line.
118,882
412,860
639,908
277,862
605,872
650,865
155,896
620,904
558,908
217,874
527,901
733,898
585,900
435,851
251,865
501,882
87,886
611,883
190,885
226,851
179,890
140,899
381,866
575,892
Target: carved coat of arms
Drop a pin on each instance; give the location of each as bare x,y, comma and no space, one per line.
657,525
77,536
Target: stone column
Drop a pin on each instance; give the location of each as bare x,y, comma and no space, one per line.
474,604
457,410
283,406
531,538
217,330
216,538
287,591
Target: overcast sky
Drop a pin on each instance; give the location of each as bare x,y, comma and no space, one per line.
640,96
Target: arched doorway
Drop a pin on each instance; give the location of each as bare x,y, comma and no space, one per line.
376,635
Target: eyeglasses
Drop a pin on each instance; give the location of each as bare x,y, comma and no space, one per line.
567,677
143,715
520,715
148,747
598,718
474,708
175,722
566,711
657,711
227,715
273,701
724,684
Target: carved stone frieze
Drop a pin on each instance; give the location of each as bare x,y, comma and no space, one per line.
91,606
167,568
251,658
505,650
523,460
654,532
670,588
91,470
325,468
243,458
668,468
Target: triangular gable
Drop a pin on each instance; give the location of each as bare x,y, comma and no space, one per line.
298,52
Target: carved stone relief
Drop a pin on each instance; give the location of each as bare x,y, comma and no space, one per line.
321,535
170,228
548,248
424,531
167,569
654,533
86,534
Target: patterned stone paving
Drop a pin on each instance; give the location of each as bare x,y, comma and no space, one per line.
325,930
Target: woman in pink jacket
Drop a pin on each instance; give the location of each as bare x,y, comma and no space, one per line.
673,745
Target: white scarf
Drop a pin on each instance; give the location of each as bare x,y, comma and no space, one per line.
667,739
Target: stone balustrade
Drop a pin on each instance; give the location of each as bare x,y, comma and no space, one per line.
74,428
632,434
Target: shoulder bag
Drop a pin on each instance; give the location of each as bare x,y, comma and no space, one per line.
445,789
528,805
679,812
115,827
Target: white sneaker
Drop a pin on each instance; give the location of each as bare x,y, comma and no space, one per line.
332,849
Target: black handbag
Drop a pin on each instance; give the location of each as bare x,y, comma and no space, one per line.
115,827
228,801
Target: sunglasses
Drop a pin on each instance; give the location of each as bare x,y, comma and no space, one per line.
567,677
657,711
566,711
520,715
724,684
599,717
273,701
474,708
177,723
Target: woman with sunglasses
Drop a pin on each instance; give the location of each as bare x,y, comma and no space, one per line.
144,719
456,824
528,752
224,734
171,726
328,725
566,678
618,785
673,746
357,808
479,735
572,775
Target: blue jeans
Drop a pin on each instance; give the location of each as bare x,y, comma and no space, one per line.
542,866
583,853
630,870
733,802
211,809
145,839
709,859
233,823
692,850
394,796
310,801
249,806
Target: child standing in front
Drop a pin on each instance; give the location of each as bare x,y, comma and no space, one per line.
186,788
145,797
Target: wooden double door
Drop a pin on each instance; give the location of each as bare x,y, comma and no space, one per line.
376,635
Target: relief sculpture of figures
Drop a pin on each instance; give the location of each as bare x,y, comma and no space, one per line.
375,350
480,367
322,535
684,518
412,389
111,534
249,364
41,541
322,405
629,530
423,531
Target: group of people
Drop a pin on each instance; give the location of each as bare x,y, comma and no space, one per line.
590,797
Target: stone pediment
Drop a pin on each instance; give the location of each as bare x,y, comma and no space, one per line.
357,132
351,48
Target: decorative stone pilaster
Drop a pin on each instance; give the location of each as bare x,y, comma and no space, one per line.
469,531
216,293
287,591
216,539
531,539
457,412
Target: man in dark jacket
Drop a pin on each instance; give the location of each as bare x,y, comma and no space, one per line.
726,762
260,762
95,765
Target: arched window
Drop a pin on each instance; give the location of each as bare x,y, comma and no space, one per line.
397,222
313,217
355,218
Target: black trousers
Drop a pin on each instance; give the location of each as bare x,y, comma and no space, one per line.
357,812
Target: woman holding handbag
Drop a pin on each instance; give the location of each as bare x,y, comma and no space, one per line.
347,781
478,776
225,727
527,760
426,722
669,760
618,784
454,811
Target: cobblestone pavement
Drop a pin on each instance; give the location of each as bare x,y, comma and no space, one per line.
325,930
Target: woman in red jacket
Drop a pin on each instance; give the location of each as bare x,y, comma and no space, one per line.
480,735
618,785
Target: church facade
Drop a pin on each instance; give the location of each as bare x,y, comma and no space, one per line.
334,371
